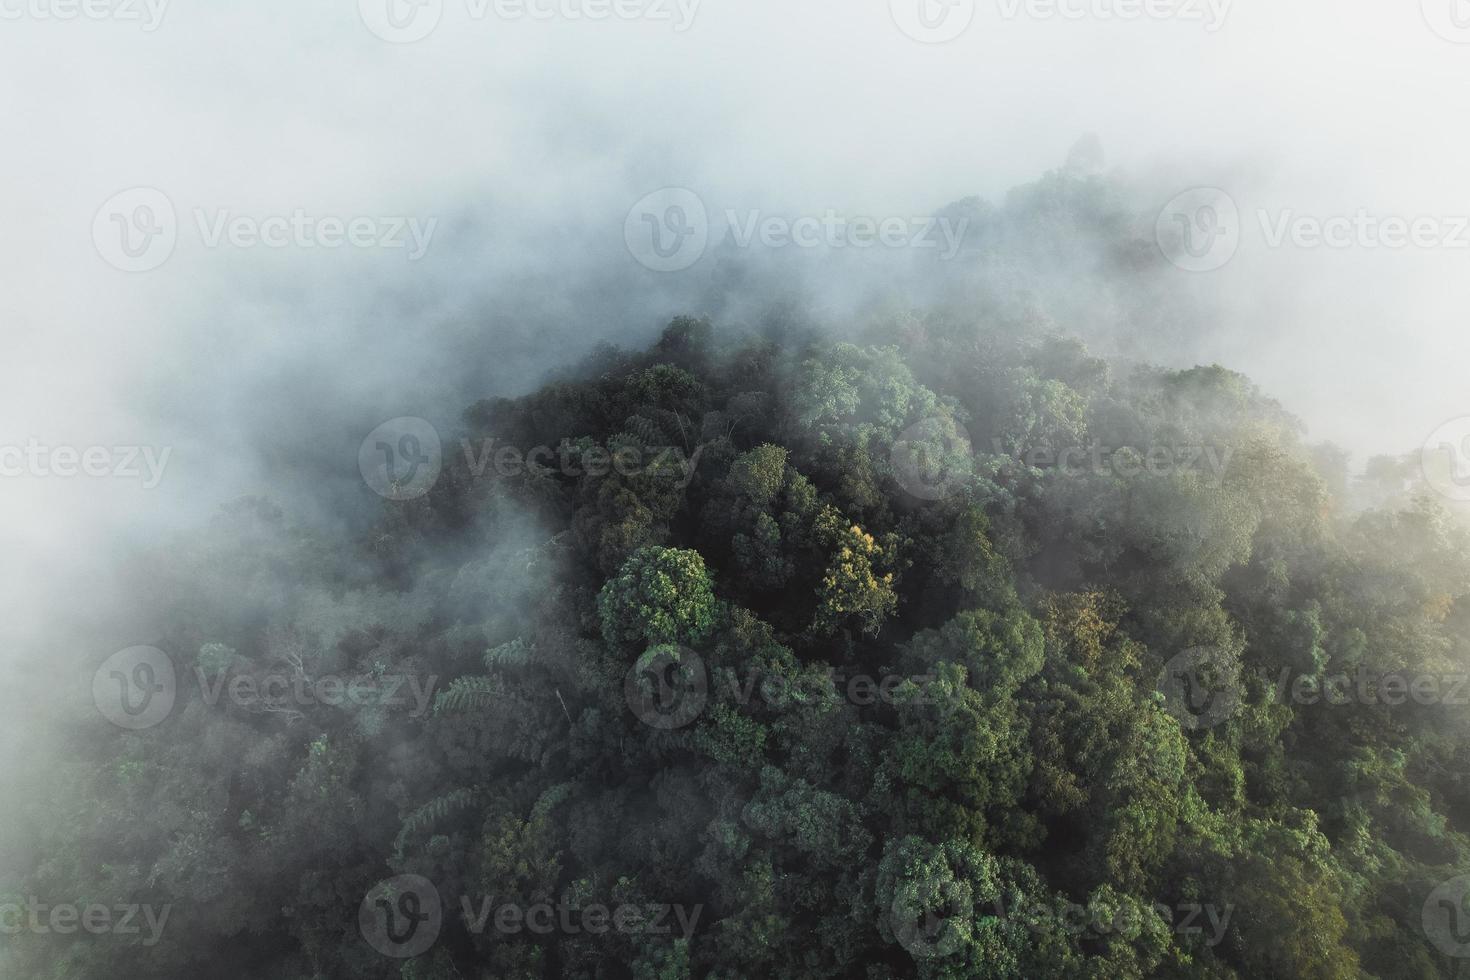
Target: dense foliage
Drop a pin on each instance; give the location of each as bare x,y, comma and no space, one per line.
867,668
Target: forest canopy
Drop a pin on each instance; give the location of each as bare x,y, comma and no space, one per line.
963,654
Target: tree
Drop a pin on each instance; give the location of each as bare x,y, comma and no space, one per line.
660,596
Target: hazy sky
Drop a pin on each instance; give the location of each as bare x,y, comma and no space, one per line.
526,139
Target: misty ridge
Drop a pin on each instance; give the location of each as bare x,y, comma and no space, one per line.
784,593
665,489
1057,251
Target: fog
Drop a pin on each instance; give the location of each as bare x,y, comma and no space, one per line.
526,141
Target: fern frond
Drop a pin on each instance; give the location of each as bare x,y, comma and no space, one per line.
516,653
469,693
434,811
